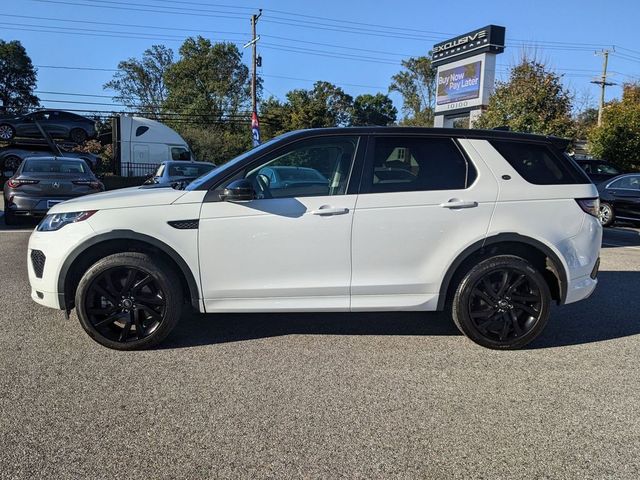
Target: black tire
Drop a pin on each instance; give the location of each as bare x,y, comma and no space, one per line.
78,135
503,312
12,162
7,132
10,219
607,214
153,309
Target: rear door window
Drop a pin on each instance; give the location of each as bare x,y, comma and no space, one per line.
538,164
413,164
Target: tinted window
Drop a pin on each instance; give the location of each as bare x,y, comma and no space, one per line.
405,164
632,182
180,153
539,165
314,167
35,165
188,170
605,168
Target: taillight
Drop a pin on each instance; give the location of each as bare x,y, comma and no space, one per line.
17,182
89,183
589,205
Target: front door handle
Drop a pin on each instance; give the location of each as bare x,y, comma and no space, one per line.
327,210
454,203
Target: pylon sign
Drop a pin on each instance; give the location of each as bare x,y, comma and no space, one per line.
255,129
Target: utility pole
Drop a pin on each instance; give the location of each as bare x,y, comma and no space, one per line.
602,82
254,61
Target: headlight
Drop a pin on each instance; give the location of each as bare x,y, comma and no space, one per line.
56,221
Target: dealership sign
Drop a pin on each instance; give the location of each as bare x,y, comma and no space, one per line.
486,39
459,83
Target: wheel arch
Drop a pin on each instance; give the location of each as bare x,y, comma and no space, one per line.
536,252
117,241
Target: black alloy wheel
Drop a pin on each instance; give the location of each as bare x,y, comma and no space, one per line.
129,301
78,135
502,303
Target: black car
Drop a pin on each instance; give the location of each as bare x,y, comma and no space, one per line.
12,156
620,199
43,182
56,123
598,170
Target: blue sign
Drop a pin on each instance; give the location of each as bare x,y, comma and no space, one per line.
459,83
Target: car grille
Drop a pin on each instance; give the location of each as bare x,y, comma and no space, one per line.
37,260
184,224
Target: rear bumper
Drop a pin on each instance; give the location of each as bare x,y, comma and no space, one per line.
33,206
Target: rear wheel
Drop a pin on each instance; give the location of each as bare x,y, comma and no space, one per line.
9,218
12,162
606,215
129,301
7,132
502,303
78,135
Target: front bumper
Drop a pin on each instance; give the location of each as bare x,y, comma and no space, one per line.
56,247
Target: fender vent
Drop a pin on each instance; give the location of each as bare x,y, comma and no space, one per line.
37,261
184,224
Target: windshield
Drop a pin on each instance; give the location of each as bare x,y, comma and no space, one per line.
232,163
37,165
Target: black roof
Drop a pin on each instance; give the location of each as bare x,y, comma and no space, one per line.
446,132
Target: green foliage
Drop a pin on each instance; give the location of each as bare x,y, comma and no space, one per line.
618,139
139,84
325,105
585,121
533,100
375,109
417,85
214,143
209,82
17,78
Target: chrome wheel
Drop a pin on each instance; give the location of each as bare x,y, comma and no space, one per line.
505,304
125,304
6,132
606,214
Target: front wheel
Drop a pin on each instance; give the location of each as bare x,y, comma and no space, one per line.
606,214
7,132
129,301
502,303
78,135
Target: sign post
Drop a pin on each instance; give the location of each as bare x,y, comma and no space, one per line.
466,74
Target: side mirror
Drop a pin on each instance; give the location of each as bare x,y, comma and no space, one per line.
238,191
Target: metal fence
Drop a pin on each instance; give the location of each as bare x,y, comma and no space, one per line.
135,169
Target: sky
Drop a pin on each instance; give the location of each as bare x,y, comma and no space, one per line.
358,45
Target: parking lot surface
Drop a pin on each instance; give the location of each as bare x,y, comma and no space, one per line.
388,395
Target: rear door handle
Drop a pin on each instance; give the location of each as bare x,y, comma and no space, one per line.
455,204
326,210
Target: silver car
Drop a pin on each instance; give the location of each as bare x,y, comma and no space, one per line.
41,182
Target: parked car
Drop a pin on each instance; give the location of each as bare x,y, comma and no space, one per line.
11,157
491,226
598,170
56,123
620,199
173,171
42,182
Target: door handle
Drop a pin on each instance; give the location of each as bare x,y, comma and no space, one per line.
326,210
454,204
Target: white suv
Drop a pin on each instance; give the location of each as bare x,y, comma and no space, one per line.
489,224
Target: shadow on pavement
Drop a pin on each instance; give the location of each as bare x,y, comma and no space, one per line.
612,312
620,237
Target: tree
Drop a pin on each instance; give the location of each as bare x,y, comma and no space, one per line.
140,83
375,109
585,121
17,79
209,82
533,100
325,105
618,139
417,85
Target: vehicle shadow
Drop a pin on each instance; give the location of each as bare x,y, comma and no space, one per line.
616,237
612,312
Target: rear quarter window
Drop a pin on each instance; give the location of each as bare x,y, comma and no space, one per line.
539,164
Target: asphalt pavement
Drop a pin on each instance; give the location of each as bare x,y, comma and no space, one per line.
388,395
